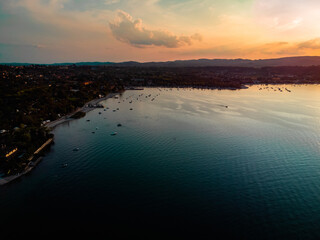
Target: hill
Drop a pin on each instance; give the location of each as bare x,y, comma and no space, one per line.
274,62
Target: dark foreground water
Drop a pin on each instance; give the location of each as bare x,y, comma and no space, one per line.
180,164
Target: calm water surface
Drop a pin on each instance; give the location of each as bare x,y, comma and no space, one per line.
182,163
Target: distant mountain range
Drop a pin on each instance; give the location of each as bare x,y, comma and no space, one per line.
276,62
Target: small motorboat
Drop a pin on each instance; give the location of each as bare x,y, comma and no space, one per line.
76,149
119,125
113,134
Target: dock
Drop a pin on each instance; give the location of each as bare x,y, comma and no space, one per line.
49,141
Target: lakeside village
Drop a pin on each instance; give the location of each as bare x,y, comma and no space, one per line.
33,96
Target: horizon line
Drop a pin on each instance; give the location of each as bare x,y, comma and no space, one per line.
142,62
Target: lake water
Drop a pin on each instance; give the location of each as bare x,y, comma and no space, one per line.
181,164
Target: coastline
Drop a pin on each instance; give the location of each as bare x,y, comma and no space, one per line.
85,109
51,125
32,164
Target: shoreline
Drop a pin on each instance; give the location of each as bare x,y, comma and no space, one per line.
85,109
51,125
31,165
11,178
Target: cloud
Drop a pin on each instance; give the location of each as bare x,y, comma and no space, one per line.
57,17
16,45
132,32
291,48
110,2
262,50
311,44
295,16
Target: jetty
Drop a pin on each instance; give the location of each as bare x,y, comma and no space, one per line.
49,141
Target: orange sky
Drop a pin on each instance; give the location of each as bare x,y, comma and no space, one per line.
46,31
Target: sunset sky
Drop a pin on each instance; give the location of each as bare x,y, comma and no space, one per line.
48,31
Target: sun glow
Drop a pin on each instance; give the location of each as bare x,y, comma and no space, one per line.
100,30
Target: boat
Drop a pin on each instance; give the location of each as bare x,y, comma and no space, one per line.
113,134
76,149
119,125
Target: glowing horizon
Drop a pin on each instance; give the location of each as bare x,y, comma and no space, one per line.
48,31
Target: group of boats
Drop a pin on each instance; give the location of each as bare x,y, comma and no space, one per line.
275,89
114,110
93,132
149,96
131,98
